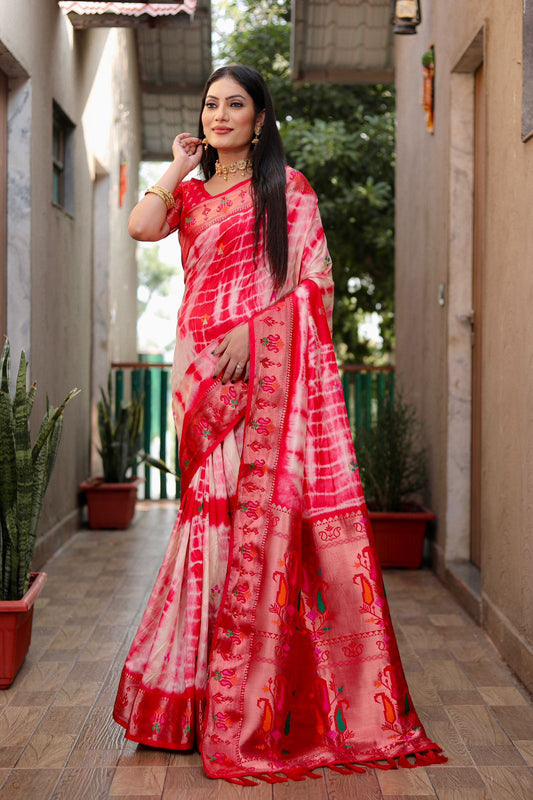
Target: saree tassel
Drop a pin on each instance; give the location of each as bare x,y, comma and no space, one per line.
391,764
356,768
434,757
271,777
297,774
404,762
343,769
241,781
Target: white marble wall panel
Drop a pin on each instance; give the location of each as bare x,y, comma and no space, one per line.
19,217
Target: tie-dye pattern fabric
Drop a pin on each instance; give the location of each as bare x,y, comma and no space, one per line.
267,639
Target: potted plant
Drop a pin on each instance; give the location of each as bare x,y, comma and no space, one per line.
111,498
25,473
393,467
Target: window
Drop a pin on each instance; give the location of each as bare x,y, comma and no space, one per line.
62,159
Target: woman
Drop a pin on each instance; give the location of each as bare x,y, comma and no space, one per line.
267,639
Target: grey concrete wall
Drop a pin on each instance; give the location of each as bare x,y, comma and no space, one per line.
434,233
93,76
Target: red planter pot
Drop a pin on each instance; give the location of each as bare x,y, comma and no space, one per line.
16,617
399,536
111,505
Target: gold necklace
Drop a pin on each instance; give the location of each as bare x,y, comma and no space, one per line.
230,169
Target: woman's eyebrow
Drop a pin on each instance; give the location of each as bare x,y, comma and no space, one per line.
231,97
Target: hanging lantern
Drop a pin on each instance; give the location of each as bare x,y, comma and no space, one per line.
405,16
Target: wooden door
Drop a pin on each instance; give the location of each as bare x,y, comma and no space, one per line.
477,279
3,206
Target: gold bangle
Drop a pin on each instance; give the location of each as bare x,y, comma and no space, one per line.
166,196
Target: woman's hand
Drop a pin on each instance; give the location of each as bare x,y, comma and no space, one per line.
234,351
187,150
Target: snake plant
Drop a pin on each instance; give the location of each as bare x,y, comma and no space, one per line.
120,435
25,473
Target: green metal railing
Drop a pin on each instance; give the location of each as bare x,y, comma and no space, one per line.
364,390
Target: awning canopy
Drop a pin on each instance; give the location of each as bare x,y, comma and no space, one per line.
174,47
341,41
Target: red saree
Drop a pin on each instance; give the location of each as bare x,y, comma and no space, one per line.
267,638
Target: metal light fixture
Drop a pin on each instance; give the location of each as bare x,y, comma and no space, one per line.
405,16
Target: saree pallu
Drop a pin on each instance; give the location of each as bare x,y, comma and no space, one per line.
301,664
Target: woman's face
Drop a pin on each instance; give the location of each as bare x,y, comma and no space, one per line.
229,118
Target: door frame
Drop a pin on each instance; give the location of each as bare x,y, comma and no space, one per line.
460,302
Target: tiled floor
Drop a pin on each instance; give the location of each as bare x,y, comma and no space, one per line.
57,738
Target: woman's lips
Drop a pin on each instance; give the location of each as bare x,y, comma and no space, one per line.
222,130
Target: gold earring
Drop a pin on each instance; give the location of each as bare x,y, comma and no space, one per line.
257,131
205,144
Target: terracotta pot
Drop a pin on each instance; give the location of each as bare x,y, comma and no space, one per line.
16,617
111,505
399,536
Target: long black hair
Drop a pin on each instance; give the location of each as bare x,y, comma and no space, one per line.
268,169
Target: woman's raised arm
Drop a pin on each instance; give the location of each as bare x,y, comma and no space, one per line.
148,220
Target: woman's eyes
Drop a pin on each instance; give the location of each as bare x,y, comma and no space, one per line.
233,104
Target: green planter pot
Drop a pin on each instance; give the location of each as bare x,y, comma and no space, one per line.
111,505
399,536
16,618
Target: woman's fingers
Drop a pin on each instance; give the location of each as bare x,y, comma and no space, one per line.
229,369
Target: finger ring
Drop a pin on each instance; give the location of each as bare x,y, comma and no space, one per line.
239,366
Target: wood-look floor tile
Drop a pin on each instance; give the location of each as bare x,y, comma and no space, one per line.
352,787
423,636
30,784
460,697
467,651
405,781
447,736
492,755
487,673
446,620
49,674
430,714
184,758
229,792
136,797
10,755
447,675
18,723
455,778
516,723
423,692
95,758
433,654
508,783
147,780
84,784
416,797
139,755
502,696
90,670
189,783
34,699
47,750
100,732
63,719
526,750
308,789
71,637
464,794
78,693
477,725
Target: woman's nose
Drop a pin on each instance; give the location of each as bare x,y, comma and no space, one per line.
221,112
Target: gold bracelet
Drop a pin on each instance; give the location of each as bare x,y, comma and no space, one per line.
166,196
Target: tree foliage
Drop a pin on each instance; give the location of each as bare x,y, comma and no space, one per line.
342,138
